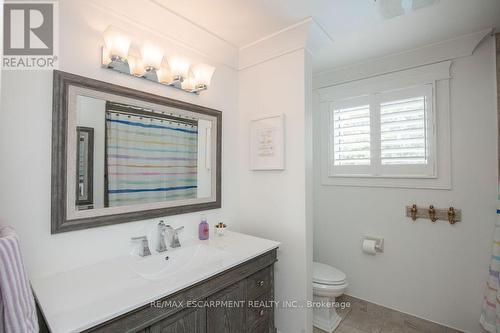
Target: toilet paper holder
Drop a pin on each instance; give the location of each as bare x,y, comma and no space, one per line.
379,243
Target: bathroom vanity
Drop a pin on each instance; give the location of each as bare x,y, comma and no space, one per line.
220,285
122,155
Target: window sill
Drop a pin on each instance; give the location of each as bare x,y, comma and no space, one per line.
350,176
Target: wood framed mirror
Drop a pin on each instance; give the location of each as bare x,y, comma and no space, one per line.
121,155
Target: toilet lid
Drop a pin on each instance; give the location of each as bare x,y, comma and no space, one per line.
325,274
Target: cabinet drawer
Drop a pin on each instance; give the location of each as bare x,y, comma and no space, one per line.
259,312
259,283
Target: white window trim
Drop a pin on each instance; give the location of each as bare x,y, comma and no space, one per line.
436,75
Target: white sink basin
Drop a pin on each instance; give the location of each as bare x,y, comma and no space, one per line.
194,257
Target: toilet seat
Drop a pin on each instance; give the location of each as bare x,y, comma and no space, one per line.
327,290
327,275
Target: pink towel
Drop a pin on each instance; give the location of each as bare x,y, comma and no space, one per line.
16,297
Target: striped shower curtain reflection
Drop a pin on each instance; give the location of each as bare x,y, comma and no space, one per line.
490,311
149,159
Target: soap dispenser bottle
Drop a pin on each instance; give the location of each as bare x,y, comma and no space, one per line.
203,228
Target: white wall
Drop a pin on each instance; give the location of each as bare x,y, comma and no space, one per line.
434,271
25,142
272,204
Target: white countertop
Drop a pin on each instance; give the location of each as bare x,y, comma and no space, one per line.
79,299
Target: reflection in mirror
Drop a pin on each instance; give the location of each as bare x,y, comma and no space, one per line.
141,156
149,158
85,164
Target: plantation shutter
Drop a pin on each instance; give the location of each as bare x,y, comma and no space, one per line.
351,136
384,134
403,132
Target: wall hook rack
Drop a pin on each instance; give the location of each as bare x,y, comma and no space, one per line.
451,214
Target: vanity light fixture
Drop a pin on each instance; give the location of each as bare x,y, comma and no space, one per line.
106,57
164,75
136,66
179,67
189,84
175,71
116,43
152,57
203,75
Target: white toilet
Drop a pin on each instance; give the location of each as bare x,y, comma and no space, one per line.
328,283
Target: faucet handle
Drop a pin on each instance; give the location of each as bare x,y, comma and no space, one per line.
174,236
172,229
162,227
145,245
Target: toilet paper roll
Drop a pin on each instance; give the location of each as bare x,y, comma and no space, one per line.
369,246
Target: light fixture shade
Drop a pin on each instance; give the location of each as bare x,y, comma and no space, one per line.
203,74
116,42
179,66
164,75
136,66
189,83
152,56
106,56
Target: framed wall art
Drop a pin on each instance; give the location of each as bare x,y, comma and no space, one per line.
267,143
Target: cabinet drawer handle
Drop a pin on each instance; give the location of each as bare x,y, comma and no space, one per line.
261,283
261,313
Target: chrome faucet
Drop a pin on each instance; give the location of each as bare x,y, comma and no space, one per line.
144,249
174,236
162,228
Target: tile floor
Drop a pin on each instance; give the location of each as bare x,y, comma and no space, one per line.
365,317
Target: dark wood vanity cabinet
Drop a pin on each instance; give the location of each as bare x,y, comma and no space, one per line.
234,301
185,321
254,316
227,319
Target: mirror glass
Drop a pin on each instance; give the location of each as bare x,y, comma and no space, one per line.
129,154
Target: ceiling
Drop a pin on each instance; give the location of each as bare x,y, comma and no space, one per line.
358,29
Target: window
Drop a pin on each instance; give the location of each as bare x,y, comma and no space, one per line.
389,130
388,134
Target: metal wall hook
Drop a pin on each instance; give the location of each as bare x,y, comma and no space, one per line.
413,212
432,213
451,215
